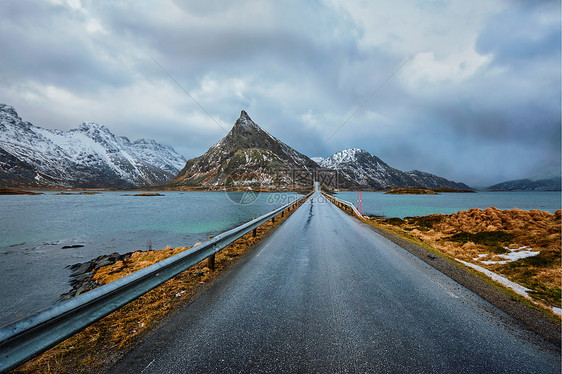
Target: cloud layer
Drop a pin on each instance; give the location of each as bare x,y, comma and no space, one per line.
478,100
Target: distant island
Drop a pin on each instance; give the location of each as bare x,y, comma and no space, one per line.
425,191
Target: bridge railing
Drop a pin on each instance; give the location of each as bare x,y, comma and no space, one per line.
345,205
25,339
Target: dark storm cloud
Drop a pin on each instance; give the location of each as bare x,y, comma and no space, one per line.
43,42
479,102
501,122
520,34
234,37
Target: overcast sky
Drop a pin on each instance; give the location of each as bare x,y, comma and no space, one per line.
477,100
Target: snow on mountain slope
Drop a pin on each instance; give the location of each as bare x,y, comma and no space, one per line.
370,171
429,180
365,169
89,156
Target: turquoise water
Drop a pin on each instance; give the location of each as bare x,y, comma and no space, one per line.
34,228
390,205
175,219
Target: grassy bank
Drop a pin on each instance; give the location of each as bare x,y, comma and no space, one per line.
522,246
102,343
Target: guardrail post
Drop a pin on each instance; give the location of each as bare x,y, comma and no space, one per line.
273,220
211,262
211,259
282,213
255,232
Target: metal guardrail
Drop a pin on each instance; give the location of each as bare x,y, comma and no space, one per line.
342,203
25,339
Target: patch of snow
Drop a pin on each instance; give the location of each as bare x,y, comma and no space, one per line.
513,255
519,289
345,156
557,311
452,294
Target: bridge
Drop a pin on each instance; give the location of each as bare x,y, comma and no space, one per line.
325,293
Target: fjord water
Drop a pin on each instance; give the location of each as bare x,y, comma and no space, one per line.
33,230
393,205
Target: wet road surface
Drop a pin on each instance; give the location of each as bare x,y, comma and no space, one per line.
326,294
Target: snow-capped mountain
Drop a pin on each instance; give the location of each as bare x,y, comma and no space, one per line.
89,156
248,156
429,180
365,169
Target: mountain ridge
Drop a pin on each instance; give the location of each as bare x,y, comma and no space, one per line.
89,156
547,184
248,156
368,170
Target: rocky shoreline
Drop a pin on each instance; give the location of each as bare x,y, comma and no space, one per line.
82,273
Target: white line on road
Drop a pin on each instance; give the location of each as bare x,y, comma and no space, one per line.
147,366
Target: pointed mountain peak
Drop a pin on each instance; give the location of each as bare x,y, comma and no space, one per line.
249,153
354,151
246,134
245,122
347,155
8,109
93,126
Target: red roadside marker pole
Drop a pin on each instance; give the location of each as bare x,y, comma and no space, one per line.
360,201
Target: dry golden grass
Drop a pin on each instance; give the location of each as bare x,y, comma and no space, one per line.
103,342
496,229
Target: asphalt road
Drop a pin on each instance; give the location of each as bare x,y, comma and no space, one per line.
326,294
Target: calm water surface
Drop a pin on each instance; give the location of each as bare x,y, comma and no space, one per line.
390,205
33,230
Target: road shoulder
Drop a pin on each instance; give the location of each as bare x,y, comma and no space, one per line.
535,320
